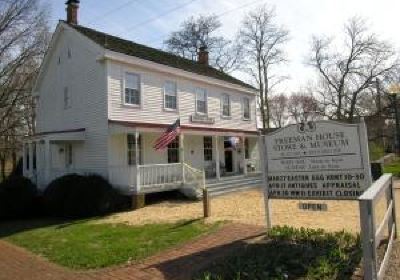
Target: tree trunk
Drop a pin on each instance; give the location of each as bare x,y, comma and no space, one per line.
3,168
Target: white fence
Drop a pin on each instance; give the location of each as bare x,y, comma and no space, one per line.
371,234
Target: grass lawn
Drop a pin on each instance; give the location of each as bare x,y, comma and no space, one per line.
288,253
86,245
375,151
393,168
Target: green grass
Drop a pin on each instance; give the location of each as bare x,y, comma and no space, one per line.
288,253
86,245
393,168
375,151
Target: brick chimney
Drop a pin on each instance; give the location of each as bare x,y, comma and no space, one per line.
72,11
203,56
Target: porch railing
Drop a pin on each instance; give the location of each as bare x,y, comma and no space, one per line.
151,175
194,176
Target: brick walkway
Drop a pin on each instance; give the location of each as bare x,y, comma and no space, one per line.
178,263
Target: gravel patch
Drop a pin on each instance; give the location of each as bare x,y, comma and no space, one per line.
248,207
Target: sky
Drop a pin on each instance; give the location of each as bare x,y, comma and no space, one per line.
150,21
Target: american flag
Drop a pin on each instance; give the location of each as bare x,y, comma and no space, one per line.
168,136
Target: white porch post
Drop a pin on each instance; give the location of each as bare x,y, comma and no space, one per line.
217,167
137,161
47,160
244,156
182,155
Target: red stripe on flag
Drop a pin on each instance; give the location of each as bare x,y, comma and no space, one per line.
166,141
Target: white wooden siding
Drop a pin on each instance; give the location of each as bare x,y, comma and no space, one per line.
152,107
86,80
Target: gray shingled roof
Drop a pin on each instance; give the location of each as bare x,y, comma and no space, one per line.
120,45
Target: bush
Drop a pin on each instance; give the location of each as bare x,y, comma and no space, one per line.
17,197
76,196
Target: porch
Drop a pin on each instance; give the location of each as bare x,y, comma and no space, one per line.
194,159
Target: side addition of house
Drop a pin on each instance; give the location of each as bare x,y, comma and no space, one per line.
102,102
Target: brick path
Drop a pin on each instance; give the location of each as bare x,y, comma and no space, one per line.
178,263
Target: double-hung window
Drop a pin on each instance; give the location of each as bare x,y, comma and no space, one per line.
173,151
170,95
131,140
132,89
201,101
208,151
246,108
226,105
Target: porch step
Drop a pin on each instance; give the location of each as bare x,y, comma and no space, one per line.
233,184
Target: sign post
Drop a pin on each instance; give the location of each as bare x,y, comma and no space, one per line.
316,160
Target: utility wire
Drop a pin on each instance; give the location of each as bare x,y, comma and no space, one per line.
136,26
217,16
102,16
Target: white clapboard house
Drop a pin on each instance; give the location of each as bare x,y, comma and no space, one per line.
102,102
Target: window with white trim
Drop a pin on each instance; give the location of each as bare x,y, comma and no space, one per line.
68,155
226,105
67,99
201,101
208,149
132,89
246,108
131,140
170,95
173,151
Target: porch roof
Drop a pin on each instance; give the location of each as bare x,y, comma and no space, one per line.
61,135
126,126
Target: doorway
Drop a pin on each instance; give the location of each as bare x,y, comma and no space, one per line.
228,161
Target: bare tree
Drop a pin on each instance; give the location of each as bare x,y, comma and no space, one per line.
201,32
263,41
303,107
348,71
23,41
278,105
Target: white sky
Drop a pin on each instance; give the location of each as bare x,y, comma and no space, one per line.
140,21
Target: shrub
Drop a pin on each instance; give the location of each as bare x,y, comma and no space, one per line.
17,171
17,197
76,196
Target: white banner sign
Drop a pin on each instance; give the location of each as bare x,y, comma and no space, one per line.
317,160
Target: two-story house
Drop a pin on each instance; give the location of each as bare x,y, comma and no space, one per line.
103,101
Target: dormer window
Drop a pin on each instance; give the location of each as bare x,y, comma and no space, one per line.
201,101
132,89
226,105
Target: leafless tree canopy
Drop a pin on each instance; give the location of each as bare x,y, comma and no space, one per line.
23,40
348,71
303,107
278,105
263,41
201,32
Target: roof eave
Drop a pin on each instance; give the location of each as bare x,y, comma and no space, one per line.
132,60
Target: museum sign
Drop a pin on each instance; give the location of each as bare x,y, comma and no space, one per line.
317,160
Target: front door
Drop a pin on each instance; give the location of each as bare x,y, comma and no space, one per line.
228,161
